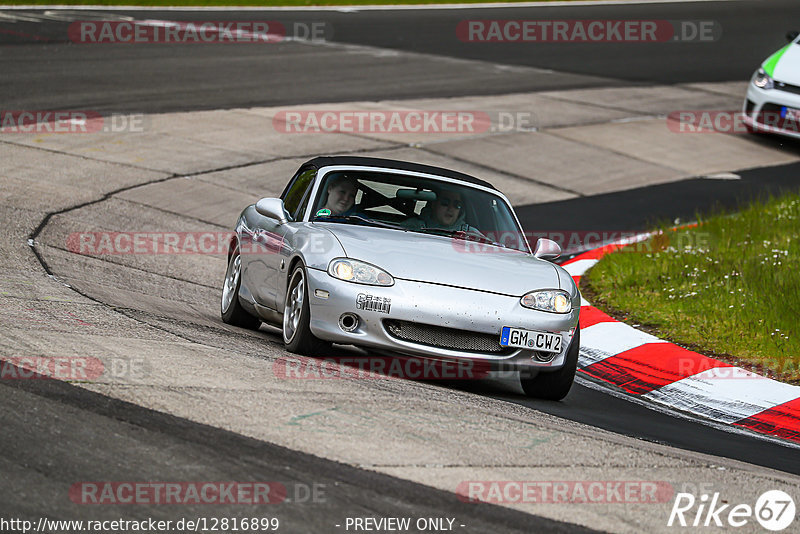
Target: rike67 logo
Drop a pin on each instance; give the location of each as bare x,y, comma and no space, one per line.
774,510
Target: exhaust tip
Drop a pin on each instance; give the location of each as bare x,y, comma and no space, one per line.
348,322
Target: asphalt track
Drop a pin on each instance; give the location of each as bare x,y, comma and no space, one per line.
46,422
199,77
638,210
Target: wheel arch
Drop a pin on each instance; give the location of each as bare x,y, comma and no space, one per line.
280,298
233,244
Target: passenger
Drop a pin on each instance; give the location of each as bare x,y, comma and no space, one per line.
445,213
341,195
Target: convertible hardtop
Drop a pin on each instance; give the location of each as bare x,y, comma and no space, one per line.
326,161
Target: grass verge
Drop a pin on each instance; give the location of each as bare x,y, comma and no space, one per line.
728,288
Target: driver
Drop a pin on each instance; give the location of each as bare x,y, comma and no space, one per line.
445,213
341,195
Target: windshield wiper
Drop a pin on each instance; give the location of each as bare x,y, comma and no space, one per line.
360,219
463,235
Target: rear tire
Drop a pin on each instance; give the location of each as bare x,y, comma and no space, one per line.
230,309
297,336
555,385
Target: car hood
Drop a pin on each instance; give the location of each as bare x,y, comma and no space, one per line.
442,260
787,67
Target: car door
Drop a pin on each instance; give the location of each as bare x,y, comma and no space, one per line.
268,244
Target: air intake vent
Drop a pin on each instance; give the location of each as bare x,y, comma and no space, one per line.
445,338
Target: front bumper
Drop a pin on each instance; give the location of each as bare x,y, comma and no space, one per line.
761,110
432,304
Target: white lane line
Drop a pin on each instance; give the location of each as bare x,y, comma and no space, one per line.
577,268
721,176
612,338
724,394
587,356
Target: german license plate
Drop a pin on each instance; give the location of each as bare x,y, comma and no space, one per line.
790,114
530,339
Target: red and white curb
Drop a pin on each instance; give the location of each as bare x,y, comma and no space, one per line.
660,372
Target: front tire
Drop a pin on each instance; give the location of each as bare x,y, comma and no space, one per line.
297,336
230,309
555,385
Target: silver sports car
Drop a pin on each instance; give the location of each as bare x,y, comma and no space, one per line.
405,259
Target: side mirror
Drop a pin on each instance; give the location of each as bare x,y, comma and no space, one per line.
547,249
792,35
272,208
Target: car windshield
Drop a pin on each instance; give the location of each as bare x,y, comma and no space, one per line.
416,204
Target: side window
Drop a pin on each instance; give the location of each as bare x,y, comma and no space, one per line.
303,205
295,192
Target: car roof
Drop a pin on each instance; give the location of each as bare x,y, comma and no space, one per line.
326,161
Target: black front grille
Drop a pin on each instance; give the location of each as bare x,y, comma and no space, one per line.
789,88
445,338
770,115
773,109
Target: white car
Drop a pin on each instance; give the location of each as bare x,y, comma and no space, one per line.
773,97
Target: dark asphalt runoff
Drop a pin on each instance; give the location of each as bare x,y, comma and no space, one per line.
56,435
599,409
43,69
643,208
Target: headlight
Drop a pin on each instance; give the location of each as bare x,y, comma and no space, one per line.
549,300
762,80
359,272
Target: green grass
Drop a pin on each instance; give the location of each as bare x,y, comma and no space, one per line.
251,3
728,288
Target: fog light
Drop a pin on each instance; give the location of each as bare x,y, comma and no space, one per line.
348,322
